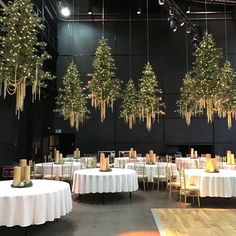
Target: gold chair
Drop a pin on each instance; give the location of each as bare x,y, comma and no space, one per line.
66,172
196,164
160,177
172,184
187,190
121,163
48,172
36,172
7,172
141,172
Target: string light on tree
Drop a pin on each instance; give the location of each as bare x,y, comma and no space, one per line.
150,101
129,109
226,93
71,101
21,56
104,86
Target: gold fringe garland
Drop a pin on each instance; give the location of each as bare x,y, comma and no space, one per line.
72,119
20,97
77,121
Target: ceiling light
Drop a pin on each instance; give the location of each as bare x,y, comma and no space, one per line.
161,2
188,10
139,11
65,11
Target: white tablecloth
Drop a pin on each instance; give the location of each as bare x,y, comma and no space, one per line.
151,170
95,181
45,201
187,162
57,168
126,160
224,165
222,184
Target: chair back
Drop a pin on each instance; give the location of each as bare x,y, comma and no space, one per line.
140,168
182,179
121,163
47,168
7,172
66,170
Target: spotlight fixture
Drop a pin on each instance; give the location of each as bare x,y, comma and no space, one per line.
195,41
173,24
161,2
188,10
188,31
181,22
139,11
90,11
65,11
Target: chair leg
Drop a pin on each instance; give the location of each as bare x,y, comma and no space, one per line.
198,200
144,186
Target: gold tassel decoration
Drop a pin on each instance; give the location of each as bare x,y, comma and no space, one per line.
77,121
72,119
229,119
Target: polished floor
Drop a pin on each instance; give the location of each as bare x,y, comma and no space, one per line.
112,214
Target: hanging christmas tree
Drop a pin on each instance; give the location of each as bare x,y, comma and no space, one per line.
104,86
187,102
226,93
129,109
21,55
206,68
150,102
71,101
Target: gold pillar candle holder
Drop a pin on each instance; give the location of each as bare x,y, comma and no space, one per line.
232,159
27,174
17,176
228,156
23,163
192,152
147,158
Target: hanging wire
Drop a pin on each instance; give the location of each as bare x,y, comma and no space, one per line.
130,45
226,35
187,67
206,15
103,13
147,33
73,30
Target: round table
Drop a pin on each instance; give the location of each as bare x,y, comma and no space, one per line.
95,181
151,170
126,160
57,168
222,184
45,201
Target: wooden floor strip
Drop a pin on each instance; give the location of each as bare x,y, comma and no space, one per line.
194,222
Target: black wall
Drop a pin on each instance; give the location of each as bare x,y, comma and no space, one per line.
168,58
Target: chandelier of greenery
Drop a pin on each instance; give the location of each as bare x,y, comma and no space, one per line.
104,87
150,104
129,109
21,56
199,86
71,100
226,95
187,100
208,87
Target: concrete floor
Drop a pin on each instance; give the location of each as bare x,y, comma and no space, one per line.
118,214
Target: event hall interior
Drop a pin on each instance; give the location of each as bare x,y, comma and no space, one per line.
117,117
